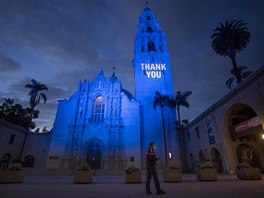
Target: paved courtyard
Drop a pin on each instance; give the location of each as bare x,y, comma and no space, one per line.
115,186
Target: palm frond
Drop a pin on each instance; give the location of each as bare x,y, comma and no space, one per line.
44,97
162,100
181,99
233,33
29,86
246,74
34,82
230,82
186,94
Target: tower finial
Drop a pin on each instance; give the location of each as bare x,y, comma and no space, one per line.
147,2
114,68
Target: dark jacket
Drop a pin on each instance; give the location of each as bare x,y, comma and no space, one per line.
151,158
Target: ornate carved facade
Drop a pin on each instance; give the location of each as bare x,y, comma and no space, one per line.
105,126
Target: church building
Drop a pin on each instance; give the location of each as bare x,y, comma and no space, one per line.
104,125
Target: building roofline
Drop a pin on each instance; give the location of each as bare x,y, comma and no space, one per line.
8,124
253,77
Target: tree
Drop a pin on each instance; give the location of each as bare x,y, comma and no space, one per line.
162,101
5,108
16,114
244,74
230,38
35,95
181,100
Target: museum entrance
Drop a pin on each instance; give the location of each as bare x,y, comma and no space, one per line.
246,134
93,156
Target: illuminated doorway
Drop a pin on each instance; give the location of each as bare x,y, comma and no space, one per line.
245,132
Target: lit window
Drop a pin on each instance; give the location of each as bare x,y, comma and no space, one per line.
98,110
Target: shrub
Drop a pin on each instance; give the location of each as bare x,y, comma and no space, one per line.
205,164
85,167
172,166
131,169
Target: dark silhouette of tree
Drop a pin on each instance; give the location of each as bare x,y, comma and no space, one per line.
162,101
16,114
181,100
230,38
244,74
35,94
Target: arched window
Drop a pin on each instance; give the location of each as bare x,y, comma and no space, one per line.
149,29
151,46
142,48
98,110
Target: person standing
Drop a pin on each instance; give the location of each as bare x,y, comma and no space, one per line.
151,169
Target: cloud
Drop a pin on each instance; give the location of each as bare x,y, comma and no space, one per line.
89,36
47,111
64,42
7,64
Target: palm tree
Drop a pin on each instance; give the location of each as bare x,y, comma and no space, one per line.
230,38
181,100
162,101
244,74
35,95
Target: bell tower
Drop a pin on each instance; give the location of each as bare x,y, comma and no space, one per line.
151,62
152,73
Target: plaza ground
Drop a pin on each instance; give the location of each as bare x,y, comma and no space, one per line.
115,186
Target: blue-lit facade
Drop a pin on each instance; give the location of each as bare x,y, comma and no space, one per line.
152,72
104,125
99,125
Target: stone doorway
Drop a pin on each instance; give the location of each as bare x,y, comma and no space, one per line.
245,133
201,157
217,160
5,160
93,156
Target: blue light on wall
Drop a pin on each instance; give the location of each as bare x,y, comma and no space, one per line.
153,73
104,125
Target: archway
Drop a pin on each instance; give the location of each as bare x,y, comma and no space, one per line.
28,161
245,133
192,163
217,160
5,160
248,156
93,155
244,123
201,156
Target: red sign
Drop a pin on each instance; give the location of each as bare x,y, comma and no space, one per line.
247,124
53,157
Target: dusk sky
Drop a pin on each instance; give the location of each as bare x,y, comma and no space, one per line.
62,42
